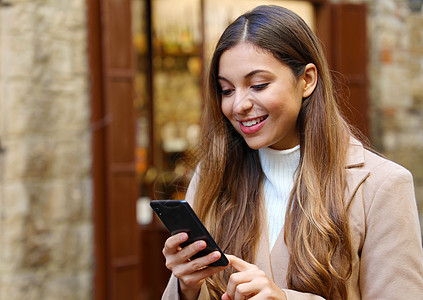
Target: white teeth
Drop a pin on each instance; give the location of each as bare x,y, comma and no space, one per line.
252,122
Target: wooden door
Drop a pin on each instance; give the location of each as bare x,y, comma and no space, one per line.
343,30
115,187
349,57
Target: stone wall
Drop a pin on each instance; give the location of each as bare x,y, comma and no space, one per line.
395,39
396,73
45,186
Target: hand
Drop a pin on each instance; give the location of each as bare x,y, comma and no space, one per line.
191,274
250,283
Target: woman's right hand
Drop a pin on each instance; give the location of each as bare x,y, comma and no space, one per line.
191,273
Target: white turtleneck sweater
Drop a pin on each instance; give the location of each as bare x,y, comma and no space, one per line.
279,167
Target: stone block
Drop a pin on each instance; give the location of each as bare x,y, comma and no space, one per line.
72,157
73,248
389,141
415,24
13,159
17,66
15,199
67,287
2,103
36,110
11,252
21,286
61,57
419,195
410,158
398,94
40,157
71,112
35,107
19,17
18,106
419,198
70,200
79,57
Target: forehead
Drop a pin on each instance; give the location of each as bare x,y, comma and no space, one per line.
246,57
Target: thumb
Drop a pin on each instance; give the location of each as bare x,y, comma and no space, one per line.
239,264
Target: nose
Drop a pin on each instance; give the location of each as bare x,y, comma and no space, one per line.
243,103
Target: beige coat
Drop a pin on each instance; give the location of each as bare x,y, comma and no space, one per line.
386,239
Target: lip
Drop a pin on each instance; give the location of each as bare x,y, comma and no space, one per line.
251,129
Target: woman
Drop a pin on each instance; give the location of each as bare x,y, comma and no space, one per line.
304,211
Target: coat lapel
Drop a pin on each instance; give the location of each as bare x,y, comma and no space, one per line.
279,261
263,255
355,171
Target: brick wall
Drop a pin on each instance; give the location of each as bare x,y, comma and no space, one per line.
45,186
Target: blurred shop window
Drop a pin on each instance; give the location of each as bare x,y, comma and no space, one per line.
142,98
219,14
177,85
169,110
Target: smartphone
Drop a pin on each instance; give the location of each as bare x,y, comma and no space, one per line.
178,216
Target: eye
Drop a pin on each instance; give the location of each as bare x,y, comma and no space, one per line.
259,87
227,92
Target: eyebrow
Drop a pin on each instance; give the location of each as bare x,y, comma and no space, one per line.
252,73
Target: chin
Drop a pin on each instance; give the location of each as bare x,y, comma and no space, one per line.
256,146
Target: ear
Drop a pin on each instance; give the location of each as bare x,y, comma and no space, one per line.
310,79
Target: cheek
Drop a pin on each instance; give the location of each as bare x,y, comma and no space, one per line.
226,108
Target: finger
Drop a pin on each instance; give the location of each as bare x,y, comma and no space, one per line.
225,296
240,264
179,260
202,262
187,252
202,274
251,272
245,291
187,268
172,243
235,280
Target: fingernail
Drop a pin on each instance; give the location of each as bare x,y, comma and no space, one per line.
202,245
183,237
216,255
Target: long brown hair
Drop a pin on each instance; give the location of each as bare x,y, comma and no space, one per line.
229,197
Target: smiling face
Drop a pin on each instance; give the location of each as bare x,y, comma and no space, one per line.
261,97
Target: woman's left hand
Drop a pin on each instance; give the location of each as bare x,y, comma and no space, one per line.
250,283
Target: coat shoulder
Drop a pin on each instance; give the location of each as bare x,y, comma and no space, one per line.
381,168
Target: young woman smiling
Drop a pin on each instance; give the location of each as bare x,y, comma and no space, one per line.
302,209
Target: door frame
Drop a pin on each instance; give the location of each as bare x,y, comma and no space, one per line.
111,90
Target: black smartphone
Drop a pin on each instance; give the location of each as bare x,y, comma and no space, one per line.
178,216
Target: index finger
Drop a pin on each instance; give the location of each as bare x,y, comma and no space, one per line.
239,264
172,243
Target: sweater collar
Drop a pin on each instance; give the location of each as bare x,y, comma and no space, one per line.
355,157
275,161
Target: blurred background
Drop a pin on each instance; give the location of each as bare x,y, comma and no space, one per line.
100,102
